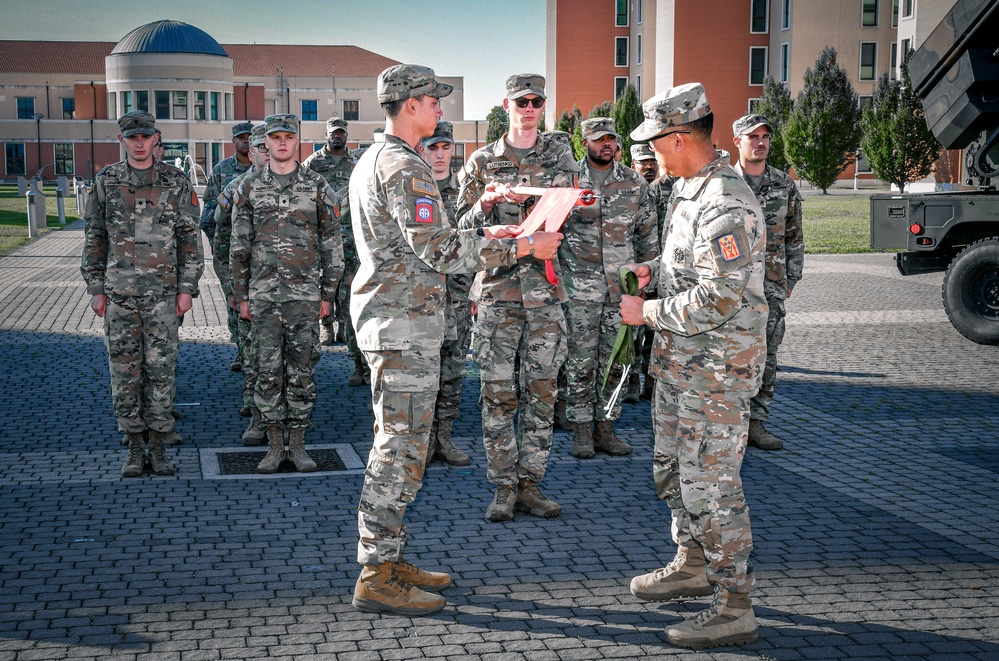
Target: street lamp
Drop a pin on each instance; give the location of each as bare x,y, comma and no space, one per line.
38,117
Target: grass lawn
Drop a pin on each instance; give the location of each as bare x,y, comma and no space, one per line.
14,216
838,223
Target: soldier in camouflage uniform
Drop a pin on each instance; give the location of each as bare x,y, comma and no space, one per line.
519,326
619,228
142,262
398,297
259,158
438,150
708,359
335,162
286,259
781,203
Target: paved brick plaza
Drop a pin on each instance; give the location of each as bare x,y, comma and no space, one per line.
877,529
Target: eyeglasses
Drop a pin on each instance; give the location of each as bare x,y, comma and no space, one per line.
667,133
537,102
261,149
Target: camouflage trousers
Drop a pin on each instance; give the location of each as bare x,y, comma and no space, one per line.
341,311
249,366
759,406
592,330
511,339
403,392
454,358
140,335
284,340
232,323
700,443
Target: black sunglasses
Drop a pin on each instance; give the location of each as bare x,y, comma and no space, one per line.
537,102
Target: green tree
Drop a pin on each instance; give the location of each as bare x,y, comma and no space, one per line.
823,132
898,145
604,109
499,124
627,115
776,105
568,120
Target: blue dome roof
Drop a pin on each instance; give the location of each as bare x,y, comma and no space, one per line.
169,37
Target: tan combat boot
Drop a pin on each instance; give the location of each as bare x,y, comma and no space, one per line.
605,440
686,576
728,621
501,509
760,438
356,379
582,440
296,451
531,500
446,448
157,453
275,450
431,581
173,438
379,589
254,434
135,461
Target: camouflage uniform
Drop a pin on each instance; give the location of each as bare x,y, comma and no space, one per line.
286,258
398,297
781,204
661,191
618,229
141,250
520,324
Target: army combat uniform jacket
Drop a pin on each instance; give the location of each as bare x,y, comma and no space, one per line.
405,246
224,172
223,234
286,243
336,172
710,284
781,204
142,236
549,164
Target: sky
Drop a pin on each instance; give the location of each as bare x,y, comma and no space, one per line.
484,42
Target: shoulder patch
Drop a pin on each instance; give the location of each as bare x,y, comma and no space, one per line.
424,210
423,186
728,247
194,198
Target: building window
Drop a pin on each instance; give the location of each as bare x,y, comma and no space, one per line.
904,51
228,106
863,167
893,70
351,110
621,19
638,12
758,16
64,158
863,101
69,108
894,13
126,103
620,82
907,8
112,105
785,14
785,62
620,51
869,13
15,158
25,107
161,100
638,87
142,101
216,153
180,105
310,110
757,65
752,106
214,106
200,99
868,60
638,49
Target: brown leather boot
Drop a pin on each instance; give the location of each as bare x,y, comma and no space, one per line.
446,448
531,500
379,589
501,509
254,434
686,576
431,581
356,379
760,438
605,440
728,621
296,451
582,440
135,461
275,450
157,454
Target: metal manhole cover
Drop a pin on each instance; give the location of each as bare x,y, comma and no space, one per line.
245,463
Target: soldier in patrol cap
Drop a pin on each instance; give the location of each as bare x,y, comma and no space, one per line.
519,330
781,203
405,245
618,229
286,259
708,360
142,262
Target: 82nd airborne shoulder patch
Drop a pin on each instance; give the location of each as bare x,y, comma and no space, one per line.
424,210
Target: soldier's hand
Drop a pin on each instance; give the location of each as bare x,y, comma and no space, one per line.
643,272
244,310
230,300
184,303
543,245
325,307
501,231
99,304
631,310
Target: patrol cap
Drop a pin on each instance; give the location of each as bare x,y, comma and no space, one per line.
137,122
522,84
674,107
597,127
443,132
336,123
257,135
274,123
405,81
557,136
642,151
749,123
241,128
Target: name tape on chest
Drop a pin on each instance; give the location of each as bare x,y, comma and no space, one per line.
424,210
496,165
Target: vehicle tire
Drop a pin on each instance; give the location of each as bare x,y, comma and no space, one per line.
971,291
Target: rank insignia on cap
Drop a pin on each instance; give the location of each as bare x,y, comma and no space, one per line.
729,247
424,210
421,186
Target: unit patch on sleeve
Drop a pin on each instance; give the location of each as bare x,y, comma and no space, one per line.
424,210
729,247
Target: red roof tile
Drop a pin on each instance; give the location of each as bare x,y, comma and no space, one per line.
72,57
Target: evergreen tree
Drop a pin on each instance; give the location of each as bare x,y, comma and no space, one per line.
499,124
568,120
898,145
823,132
776,105
627,115
604,109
